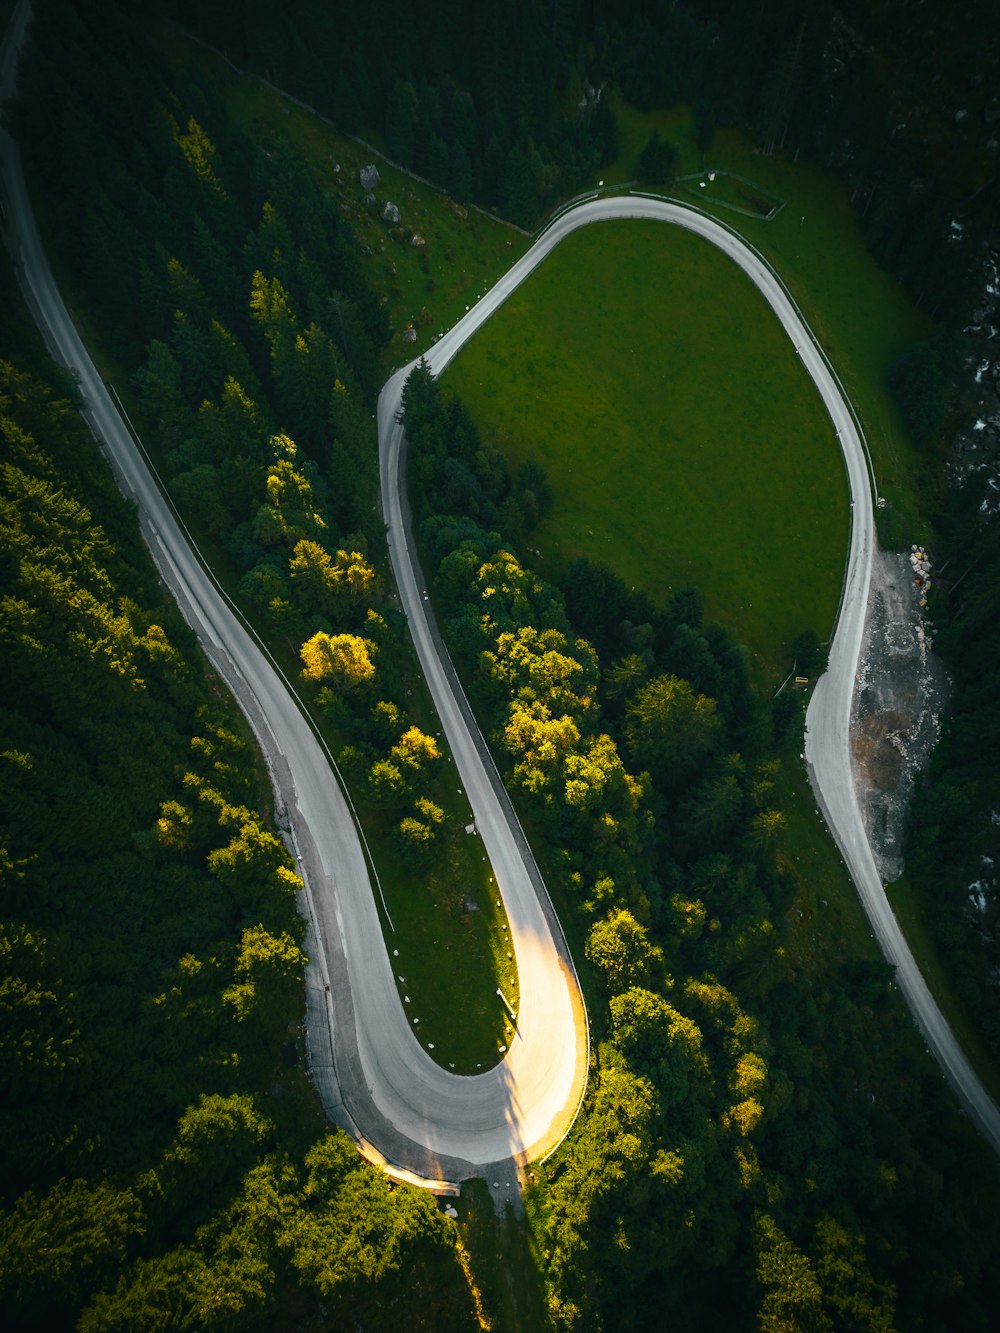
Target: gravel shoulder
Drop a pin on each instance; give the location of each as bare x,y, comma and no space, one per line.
901,691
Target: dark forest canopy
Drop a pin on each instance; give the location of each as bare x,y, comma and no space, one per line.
513,108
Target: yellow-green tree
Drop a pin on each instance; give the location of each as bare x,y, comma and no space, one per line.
622,951
290,513
324,581
267,976
414,749
345,659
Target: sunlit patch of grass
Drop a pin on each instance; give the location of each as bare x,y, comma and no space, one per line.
861,316
683,440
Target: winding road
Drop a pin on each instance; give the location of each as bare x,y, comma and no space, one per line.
418,1120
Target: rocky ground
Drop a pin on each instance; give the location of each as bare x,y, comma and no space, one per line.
902,688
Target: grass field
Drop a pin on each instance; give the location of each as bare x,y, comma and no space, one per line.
860,315
683,440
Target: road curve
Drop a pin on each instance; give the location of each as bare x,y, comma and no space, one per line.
827,745
378,1080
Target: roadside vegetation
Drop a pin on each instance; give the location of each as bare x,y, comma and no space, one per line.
752,1061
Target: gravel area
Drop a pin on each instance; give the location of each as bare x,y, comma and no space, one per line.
901,691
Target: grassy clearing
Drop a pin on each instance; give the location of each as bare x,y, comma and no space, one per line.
911,914
667,404
862,318
428,287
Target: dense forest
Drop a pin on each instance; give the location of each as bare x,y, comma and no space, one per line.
515,111
253,350
164,1160
954,850
763,1143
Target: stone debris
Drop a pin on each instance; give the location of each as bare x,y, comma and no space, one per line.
921,566
390,213
902,688
369,177
418,241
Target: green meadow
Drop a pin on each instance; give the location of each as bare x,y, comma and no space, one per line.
683,440
861,316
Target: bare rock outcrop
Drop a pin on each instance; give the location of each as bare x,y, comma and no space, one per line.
901,690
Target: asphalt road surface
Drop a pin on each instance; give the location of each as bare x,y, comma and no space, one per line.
377,1079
